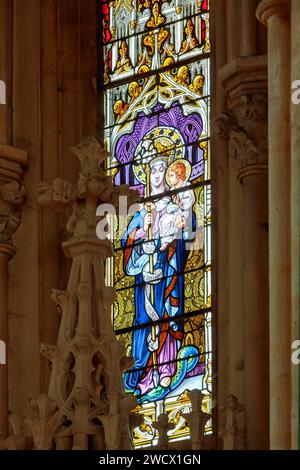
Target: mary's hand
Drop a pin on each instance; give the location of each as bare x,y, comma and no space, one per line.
148,220
153,344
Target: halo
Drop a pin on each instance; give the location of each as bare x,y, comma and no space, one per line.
187,166
167,144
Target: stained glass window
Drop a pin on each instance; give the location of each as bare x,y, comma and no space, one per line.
156,85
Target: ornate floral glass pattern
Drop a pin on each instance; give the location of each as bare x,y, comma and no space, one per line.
157,85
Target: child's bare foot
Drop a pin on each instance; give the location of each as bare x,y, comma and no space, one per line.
166,382
163,246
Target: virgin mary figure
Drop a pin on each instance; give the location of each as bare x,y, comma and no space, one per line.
167,284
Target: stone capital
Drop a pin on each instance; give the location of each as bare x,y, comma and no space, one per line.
244,121
12,194
247,141
269,8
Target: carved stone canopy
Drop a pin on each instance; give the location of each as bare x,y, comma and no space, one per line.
85,407
244,76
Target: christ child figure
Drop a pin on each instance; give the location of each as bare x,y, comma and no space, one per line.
180,205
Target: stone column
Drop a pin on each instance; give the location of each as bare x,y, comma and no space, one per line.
244,82
11,199
275,14
248,45
5,44
232,28
254,179
220,206
295,214
242,34
6,252
243,41
6,248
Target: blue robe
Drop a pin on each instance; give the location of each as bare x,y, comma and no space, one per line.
168,293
